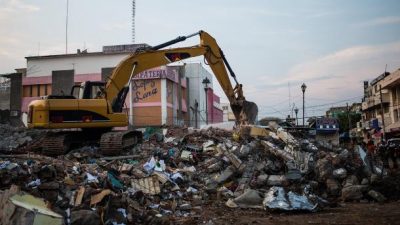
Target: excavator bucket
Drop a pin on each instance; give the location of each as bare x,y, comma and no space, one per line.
246,112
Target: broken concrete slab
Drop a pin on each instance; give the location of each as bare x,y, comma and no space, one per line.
377,196
353,192
249,199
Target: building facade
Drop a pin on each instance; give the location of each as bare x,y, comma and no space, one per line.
380,106
204,105
159,96
227,112
5,84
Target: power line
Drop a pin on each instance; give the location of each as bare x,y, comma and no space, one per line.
333,103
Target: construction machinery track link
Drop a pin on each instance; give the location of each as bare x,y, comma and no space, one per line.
56,144
113,143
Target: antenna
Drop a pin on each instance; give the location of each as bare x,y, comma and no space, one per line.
133,20
66,30
38,51
290,101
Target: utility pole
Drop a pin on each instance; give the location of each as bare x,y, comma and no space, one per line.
196,109
382,112
195,112
133,21
66,29
303,89
348,117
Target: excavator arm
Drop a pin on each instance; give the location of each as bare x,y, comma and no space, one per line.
118,84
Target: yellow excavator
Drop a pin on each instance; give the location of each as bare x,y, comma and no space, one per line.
97,107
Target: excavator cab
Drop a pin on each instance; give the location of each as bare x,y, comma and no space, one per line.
88,90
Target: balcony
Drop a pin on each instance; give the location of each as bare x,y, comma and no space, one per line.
392,80
374,101
370,124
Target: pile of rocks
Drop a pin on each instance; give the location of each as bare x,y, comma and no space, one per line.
15,137
175,173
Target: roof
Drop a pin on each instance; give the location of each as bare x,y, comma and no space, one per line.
73,55
8,75
107,50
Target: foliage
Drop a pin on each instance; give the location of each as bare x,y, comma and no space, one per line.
344,121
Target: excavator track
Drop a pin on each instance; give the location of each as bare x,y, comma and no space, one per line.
113,143
56,144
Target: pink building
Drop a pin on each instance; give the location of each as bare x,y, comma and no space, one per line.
214,109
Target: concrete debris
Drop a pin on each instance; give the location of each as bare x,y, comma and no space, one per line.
13,138
178,171
149,185
27,209
377,196
340,173
249,199
353,192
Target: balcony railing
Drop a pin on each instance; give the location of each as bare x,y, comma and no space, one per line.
375,100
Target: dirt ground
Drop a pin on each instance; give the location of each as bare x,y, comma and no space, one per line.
346,214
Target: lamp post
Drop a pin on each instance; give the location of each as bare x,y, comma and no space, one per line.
296,110
303,89
205,82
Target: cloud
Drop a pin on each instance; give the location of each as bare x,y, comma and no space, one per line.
11,6
117,26
324,14
388,20
329,78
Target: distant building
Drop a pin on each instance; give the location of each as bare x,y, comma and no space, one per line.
384,89
199,97
334,112
326,130
227,112
4,92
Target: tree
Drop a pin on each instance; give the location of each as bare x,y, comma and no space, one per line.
344,121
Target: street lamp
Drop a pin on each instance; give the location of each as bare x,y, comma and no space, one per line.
303,89
296,110
205,82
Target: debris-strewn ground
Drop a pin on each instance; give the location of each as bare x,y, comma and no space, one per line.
187,176
348,213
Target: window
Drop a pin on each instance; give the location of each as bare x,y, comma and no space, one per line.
386,109
395,115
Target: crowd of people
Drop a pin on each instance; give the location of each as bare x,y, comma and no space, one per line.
386,153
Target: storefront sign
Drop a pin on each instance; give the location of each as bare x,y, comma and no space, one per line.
156,74
144,89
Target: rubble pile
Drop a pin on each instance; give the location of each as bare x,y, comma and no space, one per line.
176,172
13,137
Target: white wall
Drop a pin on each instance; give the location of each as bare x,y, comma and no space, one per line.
196,73
83,64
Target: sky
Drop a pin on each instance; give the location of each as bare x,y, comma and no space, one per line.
273,45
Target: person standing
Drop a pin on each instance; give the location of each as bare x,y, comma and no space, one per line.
371,154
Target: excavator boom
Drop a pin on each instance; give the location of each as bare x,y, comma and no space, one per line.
144,59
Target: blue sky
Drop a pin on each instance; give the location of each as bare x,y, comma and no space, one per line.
273,46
